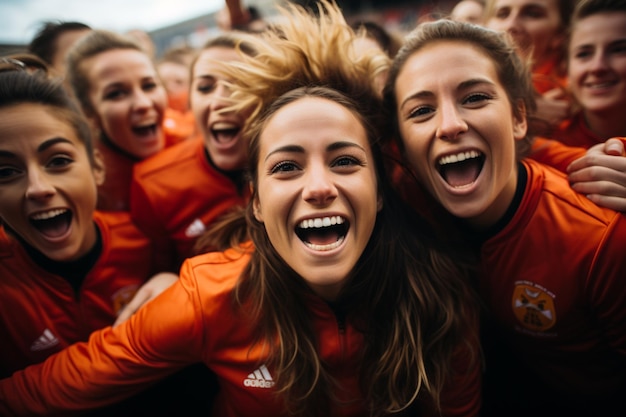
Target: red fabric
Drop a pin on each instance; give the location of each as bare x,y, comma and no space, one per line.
205,328
33,300
177,193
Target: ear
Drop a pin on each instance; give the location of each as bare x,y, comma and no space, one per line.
256,208
99,171
520,124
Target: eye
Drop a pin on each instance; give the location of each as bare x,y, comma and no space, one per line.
583,53
115,94
8,172
476,98
149,86
284,166
59,161
420,112
347,161
206,87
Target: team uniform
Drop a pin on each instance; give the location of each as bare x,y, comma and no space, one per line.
43,312
207,327
552,277
176,194
114,192
178,125
575,132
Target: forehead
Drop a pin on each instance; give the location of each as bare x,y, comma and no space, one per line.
605,25
30,124
460,58
118,63
551,6
311,121
209,59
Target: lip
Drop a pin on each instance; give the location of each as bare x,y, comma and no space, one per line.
600,87
225,124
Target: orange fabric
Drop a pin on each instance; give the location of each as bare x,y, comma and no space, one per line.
553,281
177,193
40,313
206,328
554,153
178,126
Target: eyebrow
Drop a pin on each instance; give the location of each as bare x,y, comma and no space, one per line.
41,148
299,149
462,86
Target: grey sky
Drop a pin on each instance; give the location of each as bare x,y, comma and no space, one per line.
20,19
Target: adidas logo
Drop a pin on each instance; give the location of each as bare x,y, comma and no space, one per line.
260,378
45,341
195,229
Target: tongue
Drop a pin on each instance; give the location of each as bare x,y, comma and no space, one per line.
225,135
55,227
322,237
461,173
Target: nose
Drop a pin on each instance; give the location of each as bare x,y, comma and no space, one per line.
38,186
451,122
319,188
142,100
218,97
599,62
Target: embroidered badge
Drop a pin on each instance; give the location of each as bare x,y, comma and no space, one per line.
534,307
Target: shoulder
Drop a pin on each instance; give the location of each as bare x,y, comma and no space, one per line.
555,195
169,159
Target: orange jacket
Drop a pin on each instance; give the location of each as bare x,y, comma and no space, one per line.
207,328
40,312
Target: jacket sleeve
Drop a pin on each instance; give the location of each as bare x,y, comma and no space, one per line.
164,336
554,153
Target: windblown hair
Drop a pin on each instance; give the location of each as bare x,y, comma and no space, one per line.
512,72
406,295
92,44
24,78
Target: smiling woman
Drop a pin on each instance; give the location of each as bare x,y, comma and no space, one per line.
120,92
366,316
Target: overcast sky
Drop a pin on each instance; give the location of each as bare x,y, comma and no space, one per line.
20,19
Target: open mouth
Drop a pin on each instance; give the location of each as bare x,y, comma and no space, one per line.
225,132
53,223
323,233
461,169
147,130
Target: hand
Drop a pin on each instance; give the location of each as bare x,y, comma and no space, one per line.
153,287
601,174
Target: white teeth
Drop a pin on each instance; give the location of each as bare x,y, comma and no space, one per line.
461,156
224,126
330,246
48,215
321,222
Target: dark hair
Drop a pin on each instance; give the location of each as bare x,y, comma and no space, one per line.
586,8
44,43
28,83
388,43
512,72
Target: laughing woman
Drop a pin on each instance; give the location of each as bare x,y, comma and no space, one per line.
119,90
341,304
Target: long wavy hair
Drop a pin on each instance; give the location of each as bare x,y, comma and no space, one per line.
406,295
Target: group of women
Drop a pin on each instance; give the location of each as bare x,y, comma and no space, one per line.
357,253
